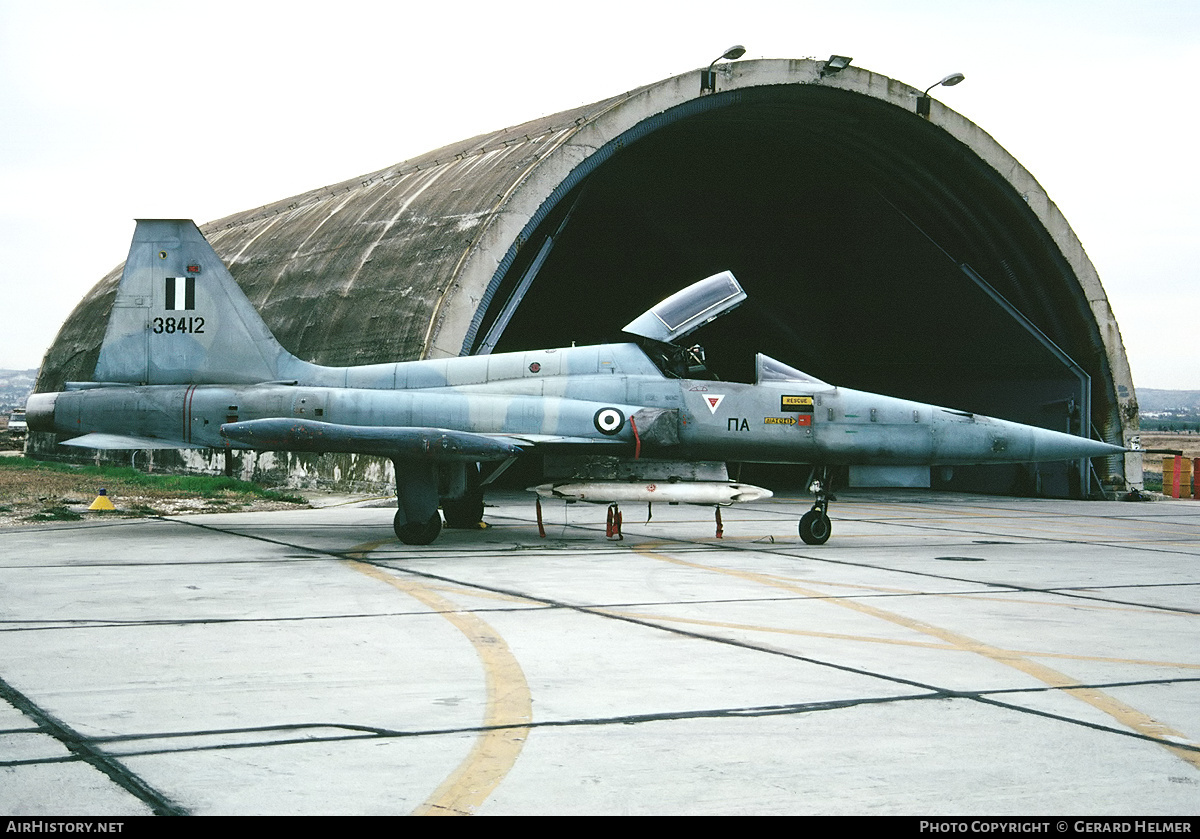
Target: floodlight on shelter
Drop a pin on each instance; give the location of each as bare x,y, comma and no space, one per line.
923,100
708,78
835,64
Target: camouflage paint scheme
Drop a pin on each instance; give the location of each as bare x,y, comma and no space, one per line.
187,363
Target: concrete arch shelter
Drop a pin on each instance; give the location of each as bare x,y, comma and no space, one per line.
882,249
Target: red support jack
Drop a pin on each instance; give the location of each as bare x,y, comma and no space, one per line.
613,526
720,525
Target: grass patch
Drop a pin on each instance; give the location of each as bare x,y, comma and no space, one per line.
39,491
198,486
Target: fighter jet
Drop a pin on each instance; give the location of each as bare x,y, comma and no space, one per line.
187,362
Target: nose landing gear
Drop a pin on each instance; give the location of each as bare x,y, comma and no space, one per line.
815,528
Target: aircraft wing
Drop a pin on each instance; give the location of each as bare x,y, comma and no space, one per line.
309,435
299,435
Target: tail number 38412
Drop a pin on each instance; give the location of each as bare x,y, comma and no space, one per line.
183,325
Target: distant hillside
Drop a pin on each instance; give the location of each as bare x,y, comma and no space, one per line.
1169,410
1153,401
15,387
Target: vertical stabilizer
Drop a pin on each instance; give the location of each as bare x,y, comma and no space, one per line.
180,318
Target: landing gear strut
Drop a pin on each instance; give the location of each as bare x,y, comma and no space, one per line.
814,525
417,519
466,512
420,485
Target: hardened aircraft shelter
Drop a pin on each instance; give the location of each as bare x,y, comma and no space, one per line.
883,249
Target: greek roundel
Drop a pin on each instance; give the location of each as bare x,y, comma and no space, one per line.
609,421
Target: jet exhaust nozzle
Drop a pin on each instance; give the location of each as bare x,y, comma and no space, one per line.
39,411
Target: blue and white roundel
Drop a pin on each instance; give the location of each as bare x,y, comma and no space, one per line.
609,421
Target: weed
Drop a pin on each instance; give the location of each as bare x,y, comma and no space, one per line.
55,514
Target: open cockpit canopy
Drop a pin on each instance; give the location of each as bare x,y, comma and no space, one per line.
686,311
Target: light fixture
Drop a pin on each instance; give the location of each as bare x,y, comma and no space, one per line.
835,64
708,78
923,100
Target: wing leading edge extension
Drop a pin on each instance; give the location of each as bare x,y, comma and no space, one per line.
298,435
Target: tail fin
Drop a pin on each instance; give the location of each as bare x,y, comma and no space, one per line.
180,318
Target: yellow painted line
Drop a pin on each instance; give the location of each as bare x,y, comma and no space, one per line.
479,594
869,639
509,709
1122,713
1070,604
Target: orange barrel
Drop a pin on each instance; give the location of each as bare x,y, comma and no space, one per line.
1171,470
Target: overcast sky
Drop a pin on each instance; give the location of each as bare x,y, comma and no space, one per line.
116,110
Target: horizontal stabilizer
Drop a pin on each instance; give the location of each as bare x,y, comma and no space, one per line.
299,435
121,441
554,440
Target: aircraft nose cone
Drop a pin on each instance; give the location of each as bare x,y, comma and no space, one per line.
1055,445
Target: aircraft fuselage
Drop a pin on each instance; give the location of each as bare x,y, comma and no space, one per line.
608,394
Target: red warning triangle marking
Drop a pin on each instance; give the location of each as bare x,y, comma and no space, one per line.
713,401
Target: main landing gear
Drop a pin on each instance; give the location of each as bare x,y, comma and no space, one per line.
464,513
419,488
418,533
814,525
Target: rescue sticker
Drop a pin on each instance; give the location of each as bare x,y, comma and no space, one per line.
796,404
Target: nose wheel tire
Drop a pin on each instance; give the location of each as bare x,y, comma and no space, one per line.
417,534
815,528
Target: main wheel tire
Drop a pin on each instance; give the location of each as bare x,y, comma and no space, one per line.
815,528
417,534
464,513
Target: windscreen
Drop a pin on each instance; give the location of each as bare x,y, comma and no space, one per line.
770,370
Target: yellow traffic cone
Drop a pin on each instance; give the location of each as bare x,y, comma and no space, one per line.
102,502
